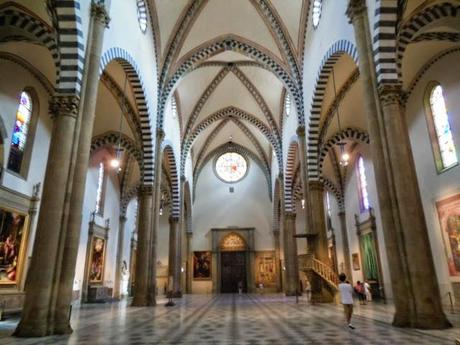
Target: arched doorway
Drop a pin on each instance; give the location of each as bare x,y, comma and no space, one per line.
233,263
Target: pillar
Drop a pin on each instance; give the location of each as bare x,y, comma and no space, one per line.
152,258
36,320
174,261
345,245
119,257
276,237
320,291
99,20
404,226
143,246
188,287
428,312
290,255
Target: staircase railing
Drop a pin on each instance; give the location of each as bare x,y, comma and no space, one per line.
308,262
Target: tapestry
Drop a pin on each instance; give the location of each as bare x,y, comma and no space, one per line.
202,265
96,271
11,236
449,218
265,268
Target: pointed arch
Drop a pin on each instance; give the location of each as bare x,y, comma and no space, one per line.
169,157
354,134
291,162
334,53
230,43
134,76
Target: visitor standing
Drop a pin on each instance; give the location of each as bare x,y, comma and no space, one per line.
359,289
346,297
367,291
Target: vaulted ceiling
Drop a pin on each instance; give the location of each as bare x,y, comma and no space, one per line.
250,96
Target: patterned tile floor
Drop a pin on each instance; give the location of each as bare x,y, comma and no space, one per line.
234,319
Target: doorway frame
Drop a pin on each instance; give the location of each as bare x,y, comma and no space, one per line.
218,234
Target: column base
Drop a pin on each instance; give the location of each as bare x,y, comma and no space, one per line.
140,301
177,294
292,293
427,321
63,329
29,330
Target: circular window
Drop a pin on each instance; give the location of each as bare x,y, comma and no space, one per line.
317,4
231,167
142,15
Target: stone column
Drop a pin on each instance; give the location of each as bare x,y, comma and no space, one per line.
174,264
290,255
320,291
100,20
276,237
152,258
345,245
143,246
417,250
410,310
36,320
119,257
188,287
304,177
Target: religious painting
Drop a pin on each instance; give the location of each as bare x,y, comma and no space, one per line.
12,238
233,242
202,265
265,268
355,261
449,218
96,268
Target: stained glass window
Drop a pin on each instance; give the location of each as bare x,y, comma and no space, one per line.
19,136
231,167
364,196
317,5
328,204
174,107
100,188
448,153
287,104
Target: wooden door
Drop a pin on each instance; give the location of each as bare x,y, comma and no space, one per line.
233,271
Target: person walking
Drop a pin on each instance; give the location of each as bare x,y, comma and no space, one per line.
346,297
359,289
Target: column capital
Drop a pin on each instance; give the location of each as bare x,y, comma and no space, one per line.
289,215
355,8
123,218
173,219
276,232
64,105
391,94
300,131
183,178
341,213
145,190
160,134
316,185
99,13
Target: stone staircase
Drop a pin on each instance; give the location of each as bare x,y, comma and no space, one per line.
308,264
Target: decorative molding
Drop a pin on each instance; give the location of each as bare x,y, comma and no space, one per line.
64,105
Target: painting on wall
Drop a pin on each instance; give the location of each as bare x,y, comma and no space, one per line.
96,268
355,261
449,218
202,265
12,242
265,268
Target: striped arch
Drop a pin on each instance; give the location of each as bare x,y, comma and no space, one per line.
409,31
237,44
21,26
126,198
277,204
354,134
331,187
188,208
335,52
133,74
113,139
233,147
384,38
229,112
168,156
292,158
72,52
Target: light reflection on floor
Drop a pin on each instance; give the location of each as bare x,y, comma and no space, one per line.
233,319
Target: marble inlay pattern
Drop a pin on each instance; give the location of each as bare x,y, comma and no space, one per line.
233,319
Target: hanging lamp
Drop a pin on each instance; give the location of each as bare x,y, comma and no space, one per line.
344,156
116,161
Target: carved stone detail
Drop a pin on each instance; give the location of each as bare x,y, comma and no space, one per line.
355,8
99,13
391,94
64,105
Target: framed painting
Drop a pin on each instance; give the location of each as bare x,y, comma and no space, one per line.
449,219
202,265
13,238
266,273
97,260
355,261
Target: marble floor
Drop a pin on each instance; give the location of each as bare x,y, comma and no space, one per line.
234,319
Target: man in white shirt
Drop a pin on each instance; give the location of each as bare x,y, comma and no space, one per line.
346,296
